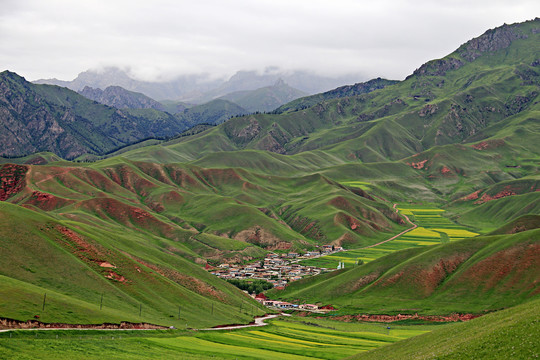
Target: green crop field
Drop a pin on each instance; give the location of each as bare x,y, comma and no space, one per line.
433,229
290,338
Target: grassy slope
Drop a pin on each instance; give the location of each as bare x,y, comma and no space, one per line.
511,333
178,202
143,275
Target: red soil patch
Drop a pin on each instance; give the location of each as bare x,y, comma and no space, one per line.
504,193
342,203
38,160
445,170
128,215
12,180
424,281
259,236
249,186
181,177
107,265
80,244
472,196
344,239
218,177
399,317
514,269
189,282
114,276
155,171
127,178
87,252
363,281
489,144
46,201
33,324
418,165
429,279
391,280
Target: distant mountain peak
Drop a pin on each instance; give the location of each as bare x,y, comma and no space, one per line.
280,83
120,98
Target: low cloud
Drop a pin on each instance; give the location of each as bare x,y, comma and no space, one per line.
162,39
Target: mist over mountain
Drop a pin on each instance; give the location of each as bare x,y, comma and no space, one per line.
266,98
200,88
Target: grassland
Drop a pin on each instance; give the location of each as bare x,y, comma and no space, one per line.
507,334
288,338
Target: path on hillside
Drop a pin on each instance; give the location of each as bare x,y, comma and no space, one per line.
414,226
258,322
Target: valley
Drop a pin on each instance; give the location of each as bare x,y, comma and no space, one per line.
422,195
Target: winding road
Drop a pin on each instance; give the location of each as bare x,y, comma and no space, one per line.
259,321
414,226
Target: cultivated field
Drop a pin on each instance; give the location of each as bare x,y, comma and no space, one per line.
433,228
282,339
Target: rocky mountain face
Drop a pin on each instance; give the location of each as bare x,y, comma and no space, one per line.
340,92
121,98
37,118
491,41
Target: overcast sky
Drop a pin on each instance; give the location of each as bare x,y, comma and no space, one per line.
161,39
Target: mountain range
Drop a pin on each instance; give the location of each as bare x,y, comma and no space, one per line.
459,134
201,88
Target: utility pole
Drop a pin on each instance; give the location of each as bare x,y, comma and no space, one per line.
44,298
101,302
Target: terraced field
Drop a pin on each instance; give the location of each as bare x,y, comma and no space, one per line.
283,339
433,228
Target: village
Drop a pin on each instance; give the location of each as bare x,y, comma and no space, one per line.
279,270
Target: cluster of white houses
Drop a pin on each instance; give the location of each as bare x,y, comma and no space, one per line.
284,305
278,269
287,305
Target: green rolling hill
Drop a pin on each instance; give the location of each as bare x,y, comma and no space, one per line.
460,133
73,264
510,332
